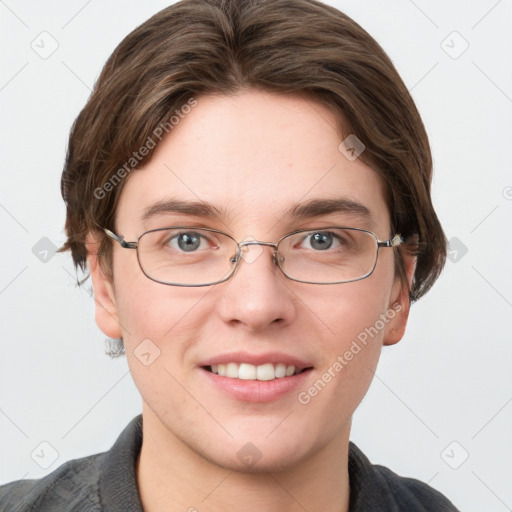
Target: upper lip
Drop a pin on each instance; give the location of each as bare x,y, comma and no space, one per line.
257,359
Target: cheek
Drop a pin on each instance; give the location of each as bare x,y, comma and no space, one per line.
146,309
160,323
355,308
355,322
349,352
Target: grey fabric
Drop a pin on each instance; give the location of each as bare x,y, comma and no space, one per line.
107,482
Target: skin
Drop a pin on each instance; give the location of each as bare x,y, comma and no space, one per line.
254,154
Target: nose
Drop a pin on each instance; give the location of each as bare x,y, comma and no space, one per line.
257,295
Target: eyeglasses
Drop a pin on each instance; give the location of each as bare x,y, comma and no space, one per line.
190,256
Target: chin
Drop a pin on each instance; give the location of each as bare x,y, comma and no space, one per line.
255,461
260,454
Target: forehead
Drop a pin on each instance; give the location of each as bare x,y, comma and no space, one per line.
257,160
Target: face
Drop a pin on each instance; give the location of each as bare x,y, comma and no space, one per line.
253,156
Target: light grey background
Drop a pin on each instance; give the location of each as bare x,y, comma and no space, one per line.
443,393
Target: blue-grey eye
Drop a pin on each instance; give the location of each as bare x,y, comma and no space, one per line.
187,242
321,241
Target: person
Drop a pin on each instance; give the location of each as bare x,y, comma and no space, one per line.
249,188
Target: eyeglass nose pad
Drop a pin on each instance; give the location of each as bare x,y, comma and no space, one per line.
235,258
278,258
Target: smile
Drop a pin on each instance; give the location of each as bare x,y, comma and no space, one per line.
247,371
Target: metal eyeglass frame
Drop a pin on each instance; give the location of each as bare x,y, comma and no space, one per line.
394,241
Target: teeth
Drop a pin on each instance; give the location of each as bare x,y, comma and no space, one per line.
232,370
246,371
265,372
280,370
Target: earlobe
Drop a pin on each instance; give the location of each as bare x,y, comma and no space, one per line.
400,304
104,298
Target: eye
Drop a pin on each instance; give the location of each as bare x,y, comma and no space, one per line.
324,240
188,241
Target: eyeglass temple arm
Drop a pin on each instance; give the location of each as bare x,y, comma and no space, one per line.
120,240
392,242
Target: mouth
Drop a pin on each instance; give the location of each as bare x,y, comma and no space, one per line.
256,377
262,372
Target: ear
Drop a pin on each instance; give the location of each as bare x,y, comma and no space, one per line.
400,303
104,298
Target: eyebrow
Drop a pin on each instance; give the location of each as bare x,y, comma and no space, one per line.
318,207
300,211
193,208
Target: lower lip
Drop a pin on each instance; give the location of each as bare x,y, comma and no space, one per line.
257,390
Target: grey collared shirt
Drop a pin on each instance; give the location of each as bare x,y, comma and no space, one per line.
107,482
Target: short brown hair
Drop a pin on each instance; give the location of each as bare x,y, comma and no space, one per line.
196,47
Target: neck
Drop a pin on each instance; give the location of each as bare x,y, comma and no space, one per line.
173,477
